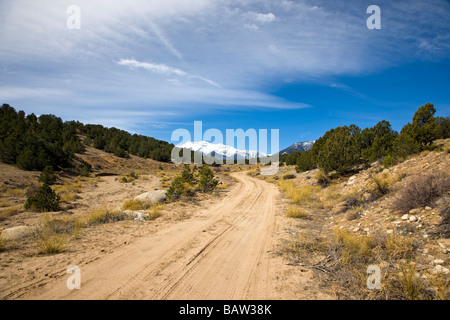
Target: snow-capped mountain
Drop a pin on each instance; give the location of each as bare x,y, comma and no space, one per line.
220,151
299,146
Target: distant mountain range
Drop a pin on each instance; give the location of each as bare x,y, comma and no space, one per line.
221,151
299,146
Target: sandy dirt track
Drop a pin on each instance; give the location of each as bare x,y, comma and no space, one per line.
223,253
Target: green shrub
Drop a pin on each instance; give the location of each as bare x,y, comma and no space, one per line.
44,200
207,182
304,162
176,189
341,150
288,176
47,176
388,161
188,175
86,169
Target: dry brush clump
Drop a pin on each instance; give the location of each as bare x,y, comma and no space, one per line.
297,212
102,216
350,254
54,233
303,195
421,191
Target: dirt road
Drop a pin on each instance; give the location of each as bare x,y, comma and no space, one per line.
222,253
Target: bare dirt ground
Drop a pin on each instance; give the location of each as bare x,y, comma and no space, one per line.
220,248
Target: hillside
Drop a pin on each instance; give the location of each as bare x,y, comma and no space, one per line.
371,218
33,143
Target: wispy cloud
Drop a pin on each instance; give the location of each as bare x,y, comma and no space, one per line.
163,70
224,54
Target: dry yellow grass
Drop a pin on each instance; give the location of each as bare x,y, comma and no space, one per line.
8,212
410,281
399,246
15,192
155,211
135,205
297,212
353,246
52,244
303,195
102,215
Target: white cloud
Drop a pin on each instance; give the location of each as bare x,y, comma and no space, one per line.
163,70
246,46
156,68
264,17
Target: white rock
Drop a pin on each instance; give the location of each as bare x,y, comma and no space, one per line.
412,218
157,196
414,211
425,236
19,232
137,215
390,231
428,208
437,261
440,269
405,217
355,229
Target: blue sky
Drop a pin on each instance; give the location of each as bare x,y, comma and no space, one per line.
151,67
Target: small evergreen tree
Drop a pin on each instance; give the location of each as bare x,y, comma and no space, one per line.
86,169
304,162
341,151
47,176
188,176
425,129
207,182
176,189
44,200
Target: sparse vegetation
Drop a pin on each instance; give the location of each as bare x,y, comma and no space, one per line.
135,205
411,284
8,212
297,212
288,176
399,247
52,244
304,195
421,191
102,215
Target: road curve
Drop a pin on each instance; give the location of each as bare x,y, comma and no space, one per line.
222,253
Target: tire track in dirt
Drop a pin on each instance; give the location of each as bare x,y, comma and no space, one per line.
221,253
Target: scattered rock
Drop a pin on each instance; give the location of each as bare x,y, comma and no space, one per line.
437,261
19,232
412,218
137,215
428,208
157,196
442,200
440,269
414,211
405,217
